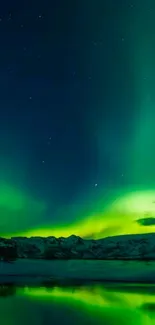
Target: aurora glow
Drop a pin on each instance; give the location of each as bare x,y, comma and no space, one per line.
111,303
93,296
17,209
141,145
83,120
118,217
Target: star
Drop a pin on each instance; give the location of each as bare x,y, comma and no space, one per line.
96,185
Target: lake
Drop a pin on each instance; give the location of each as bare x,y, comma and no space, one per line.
108,304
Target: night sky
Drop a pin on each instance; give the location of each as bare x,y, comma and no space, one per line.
77,117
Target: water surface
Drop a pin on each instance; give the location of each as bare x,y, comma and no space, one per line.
97,304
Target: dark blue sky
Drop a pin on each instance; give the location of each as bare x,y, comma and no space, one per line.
66,98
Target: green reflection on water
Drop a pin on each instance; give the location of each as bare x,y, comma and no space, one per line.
110,304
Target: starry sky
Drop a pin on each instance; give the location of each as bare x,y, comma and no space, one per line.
77,118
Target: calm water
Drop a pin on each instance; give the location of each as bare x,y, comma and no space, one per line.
79,305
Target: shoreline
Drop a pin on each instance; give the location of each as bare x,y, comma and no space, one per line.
25,271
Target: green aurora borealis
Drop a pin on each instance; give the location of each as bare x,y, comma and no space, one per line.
118,217
99,303
142,54
116,212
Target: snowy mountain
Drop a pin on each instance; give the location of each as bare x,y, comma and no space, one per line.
126,247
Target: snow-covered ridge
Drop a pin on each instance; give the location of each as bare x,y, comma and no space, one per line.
128,247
